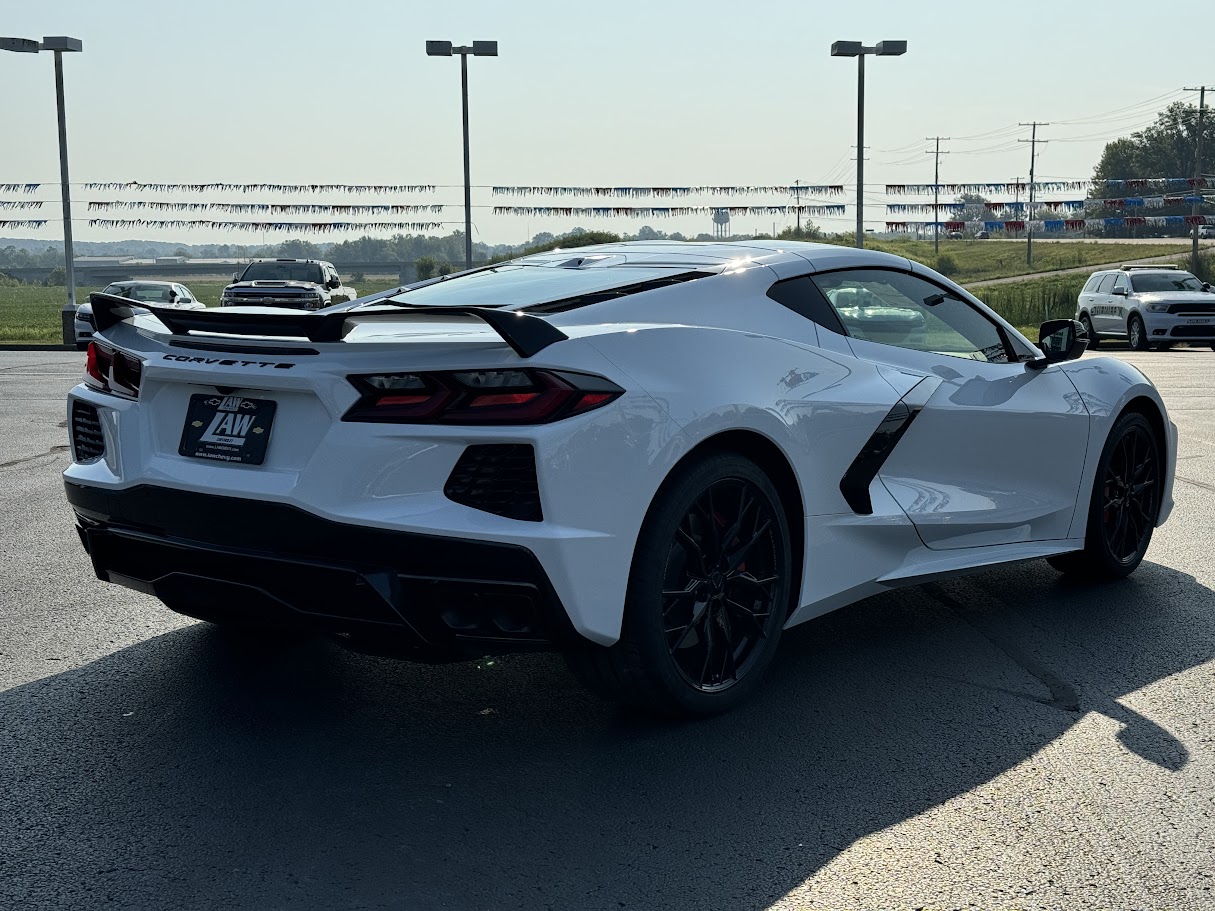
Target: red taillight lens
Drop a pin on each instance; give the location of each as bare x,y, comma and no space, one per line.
110,370
478,397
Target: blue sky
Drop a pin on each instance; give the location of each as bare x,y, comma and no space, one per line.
665,92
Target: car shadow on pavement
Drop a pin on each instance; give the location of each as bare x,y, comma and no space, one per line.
192,770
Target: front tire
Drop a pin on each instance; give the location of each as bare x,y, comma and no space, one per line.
708,594
1124,505
1093,341
1136,333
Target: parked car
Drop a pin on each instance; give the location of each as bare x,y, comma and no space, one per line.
1153,305
163,294
1206,231
983,235
956,235
653,457
304,284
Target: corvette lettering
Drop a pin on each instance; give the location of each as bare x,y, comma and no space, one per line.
224,362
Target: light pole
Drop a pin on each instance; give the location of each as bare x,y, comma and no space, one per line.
477,49
858,50
59,45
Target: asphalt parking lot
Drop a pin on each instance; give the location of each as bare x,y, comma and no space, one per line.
1009,740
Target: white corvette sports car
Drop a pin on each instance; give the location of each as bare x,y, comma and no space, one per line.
651,456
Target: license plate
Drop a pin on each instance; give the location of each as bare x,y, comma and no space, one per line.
1198,322
227,428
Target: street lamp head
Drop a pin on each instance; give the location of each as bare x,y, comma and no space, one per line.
19,45
847,49
485,48
438,48
62,43
891,48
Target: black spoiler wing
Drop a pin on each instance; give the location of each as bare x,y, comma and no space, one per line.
525,333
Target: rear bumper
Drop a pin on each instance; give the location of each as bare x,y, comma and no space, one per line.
241,560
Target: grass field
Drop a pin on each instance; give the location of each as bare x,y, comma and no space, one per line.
978,260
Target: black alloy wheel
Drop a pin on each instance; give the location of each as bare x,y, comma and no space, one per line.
722,576
1136,334
1129,495
1125,503
1087,323
708,594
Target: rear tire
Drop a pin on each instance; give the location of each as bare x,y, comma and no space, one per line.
1093,340
708,594
1136,333
1124,506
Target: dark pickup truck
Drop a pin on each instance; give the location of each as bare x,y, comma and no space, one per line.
303,284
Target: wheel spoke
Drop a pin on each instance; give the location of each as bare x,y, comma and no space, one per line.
692,548
698,615
740,553
750,617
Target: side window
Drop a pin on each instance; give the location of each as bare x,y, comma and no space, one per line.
183,295
802,296
1120,283
1091,284
1107,282
894,308
112,289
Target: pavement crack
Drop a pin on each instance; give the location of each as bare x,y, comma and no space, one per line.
54,450
1203,484
1063,695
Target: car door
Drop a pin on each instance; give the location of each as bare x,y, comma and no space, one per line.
1103,312
992,450
1087,299
1119,304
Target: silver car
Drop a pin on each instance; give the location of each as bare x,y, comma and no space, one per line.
160,294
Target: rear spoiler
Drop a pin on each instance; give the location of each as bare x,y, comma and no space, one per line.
525,333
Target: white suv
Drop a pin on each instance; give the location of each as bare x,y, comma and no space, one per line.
1148,306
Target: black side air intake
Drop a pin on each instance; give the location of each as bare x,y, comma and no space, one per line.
869,461
87,440
498,478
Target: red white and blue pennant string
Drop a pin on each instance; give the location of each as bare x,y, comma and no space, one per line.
355,188
321,227
660,212
271,208
674,192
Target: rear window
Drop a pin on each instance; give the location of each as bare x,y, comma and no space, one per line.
283,272
520,286
1159,281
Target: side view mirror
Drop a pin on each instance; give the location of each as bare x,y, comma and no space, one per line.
1206,286
1121,292
235,276
333,283
1060,340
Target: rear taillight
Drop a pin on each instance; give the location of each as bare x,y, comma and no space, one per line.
107,369
478,396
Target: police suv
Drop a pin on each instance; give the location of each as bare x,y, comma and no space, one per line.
1149,306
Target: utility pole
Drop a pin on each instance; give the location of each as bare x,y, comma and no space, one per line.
1029,213
797,196
1196,209
936,191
